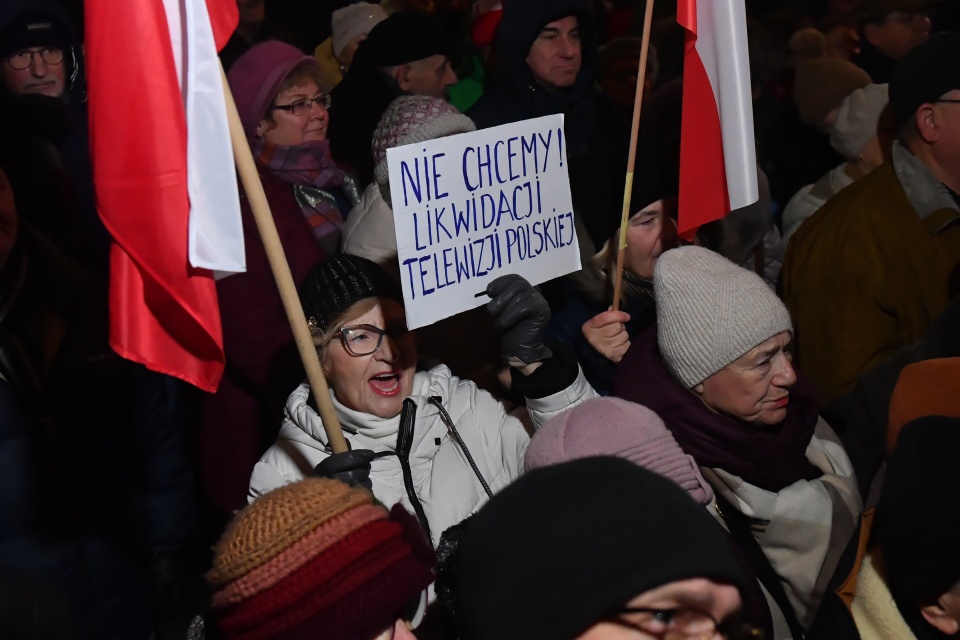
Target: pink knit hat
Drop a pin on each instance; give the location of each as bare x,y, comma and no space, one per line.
616,427
411,119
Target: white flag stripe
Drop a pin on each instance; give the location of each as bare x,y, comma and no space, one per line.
722,46
215,229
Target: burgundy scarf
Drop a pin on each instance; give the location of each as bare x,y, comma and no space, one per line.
310,169
769,457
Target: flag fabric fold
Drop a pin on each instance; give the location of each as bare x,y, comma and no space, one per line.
163,311
718,170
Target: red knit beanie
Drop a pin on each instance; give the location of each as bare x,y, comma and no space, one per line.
317,559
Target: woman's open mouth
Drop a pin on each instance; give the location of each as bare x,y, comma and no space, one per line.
386,384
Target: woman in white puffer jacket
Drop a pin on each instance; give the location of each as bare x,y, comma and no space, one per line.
426,439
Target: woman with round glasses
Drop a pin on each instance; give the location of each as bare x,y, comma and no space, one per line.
284,116
423,438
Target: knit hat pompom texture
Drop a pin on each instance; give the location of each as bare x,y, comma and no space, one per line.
317,558
338,283
710,312
616,427
820,82
352,21
412,119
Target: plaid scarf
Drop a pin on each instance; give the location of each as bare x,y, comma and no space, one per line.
312,172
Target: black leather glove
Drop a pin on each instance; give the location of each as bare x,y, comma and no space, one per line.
349,467
520,313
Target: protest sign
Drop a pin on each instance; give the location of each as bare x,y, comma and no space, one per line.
472,207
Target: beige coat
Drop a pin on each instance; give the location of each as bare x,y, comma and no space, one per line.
804,528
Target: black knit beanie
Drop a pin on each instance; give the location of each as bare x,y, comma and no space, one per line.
928,71
563,546
338,283
917,522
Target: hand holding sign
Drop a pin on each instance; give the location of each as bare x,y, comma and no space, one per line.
520,313
475,206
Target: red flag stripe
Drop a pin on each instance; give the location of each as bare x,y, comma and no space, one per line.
163,314
224,18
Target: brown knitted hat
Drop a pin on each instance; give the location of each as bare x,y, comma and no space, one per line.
317,558
820,83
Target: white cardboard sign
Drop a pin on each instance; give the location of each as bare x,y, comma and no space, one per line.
473,207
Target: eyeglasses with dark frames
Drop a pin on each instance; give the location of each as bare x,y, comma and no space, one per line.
303,105
681,624
364,339
22,59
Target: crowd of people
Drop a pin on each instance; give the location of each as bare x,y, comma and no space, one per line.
756,440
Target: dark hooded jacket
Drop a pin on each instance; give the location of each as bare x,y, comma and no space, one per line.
597,136
44,149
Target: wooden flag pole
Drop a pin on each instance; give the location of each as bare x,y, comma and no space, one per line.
281,273
632,157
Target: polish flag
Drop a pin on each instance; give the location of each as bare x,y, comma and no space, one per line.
164,176
718,166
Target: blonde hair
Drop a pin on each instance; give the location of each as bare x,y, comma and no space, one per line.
338,321
303,72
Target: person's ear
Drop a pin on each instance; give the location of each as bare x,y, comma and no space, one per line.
698,389
927,123
262,128
401,75
940,618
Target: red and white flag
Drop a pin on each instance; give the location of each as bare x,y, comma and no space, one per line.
164,175
718,169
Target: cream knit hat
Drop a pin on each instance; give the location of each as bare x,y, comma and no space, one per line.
857,120
352,21
710,312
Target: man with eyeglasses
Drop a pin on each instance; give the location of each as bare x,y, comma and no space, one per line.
35,44
596,549
868,273
888,30
406,54
44,147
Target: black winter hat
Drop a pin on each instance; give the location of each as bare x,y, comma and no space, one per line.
33,29
917,522
928,71
405,36
560,548
338,283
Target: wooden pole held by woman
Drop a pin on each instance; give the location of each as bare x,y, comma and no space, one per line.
247,170
632,157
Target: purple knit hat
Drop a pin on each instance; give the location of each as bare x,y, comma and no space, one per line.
256,77
616,427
